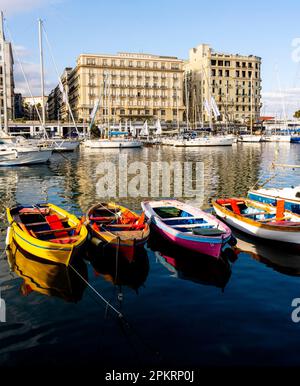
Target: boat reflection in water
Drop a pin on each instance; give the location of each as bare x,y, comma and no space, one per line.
46,277
118,269
192,266
278,258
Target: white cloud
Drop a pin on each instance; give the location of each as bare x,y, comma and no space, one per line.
17,6
32,72
281,102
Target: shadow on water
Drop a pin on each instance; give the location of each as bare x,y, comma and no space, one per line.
275,256
188,265
46,277
117,269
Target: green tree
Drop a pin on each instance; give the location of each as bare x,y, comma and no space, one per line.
297,114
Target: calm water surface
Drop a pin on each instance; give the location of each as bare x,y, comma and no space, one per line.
179,311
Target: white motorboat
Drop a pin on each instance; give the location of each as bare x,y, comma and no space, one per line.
251,138
276,138
218,140
22,155
64,144
112,143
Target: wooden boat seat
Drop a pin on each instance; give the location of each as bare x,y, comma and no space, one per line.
182,218
194,225
255,214
208,231
104,218
34,224
284,220
48,232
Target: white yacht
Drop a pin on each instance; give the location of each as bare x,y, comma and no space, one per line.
250,138
218,140
113,143
11,155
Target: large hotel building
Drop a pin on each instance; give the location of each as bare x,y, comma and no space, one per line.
137,87
233,82
129,86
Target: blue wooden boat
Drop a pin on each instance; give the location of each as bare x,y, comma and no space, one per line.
291,196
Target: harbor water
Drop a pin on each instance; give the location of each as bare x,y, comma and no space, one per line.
178,310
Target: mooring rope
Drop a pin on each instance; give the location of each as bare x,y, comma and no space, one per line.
120,315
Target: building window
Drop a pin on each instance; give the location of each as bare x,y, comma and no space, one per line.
220,73
227,73
174,112
227,63
213,62
122,111
250,74
163,112
220,62
90,61
238,64
243,74
243,64
147,112
213,72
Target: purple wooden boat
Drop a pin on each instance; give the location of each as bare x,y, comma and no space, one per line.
188,226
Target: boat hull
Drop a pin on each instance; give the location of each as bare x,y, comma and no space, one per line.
125,243
287,234
65,145
209,249
210,246
199,142
113,144
20,158
57,253
250,138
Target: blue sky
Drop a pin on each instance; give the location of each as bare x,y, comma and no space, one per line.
168,27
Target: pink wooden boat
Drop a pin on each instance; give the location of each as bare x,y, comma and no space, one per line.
189,227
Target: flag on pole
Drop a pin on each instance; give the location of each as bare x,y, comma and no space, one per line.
95,108
215,108
207,107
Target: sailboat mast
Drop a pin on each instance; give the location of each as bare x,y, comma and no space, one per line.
177,110
42,74
251,104
186,103
5,121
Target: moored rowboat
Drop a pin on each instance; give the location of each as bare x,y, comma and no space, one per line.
260,220
46,231
188,227
118,227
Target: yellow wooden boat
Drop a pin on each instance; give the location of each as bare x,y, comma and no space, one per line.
118,227
46,231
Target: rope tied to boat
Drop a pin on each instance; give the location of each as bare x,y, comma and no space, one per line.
120,315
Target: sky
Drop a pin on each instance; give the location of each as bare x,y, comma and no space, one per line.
267,29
